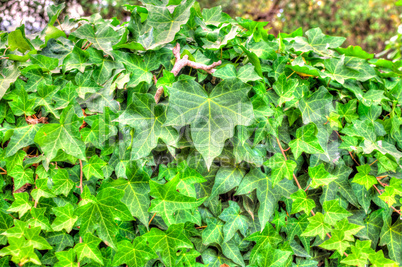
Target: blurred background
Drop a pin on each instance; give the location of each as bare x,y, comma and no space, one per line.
372,24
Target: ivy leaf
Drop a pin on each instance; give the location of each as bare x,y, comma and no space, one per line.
66,258
317,42
320,176
140,67
93,168
264,240
167,243
134,254
35,240
103,38
22,137
62,184
231,250
334,212
336,242
77,59
391,235
360,254
234,221
347,68
21,176
316,107
65,218
65,136
285,88
44,62
21,204
364,177
99,213
41,190
89,249
6,222
348,229
306,141
245,73
317,226
85,84
7,77
226,179
281,168
378,260
136,192
165,22
39,220
301,202
147,119
214,259
101,128
213,233
266,194
168,200
20,251
209,115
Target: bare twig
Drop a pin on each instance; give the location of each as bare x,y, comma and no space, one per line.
183,62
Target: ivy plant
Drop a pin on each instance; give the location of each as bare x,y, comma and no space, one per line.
184,137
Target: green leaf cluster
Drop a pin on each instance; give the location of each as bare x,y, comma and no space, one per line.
287,153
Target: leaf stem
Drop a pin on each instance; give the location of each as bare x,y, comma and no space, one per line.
152,218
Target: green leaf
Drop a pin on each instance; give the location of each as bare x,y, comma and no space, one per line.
316,107
136,192
226,179
93,168
147,119
213,233
347,68
41,190
66,258
21,204
317,42
320,176
21,176
285,88
65,136
391,235
168,200
334,212
166,22
212,116
89,249
103,38
281,168
364,177
336,242
62,184
65,218
167,243
17,40
317,226
306,141
99,214
264,240
7,77
134,254
234,221
301,202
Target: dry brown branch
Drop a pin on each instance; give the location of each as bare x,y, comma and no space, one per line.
181,63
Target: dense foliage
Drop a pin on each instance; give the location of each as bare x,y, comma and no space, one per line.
367,23
187,138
